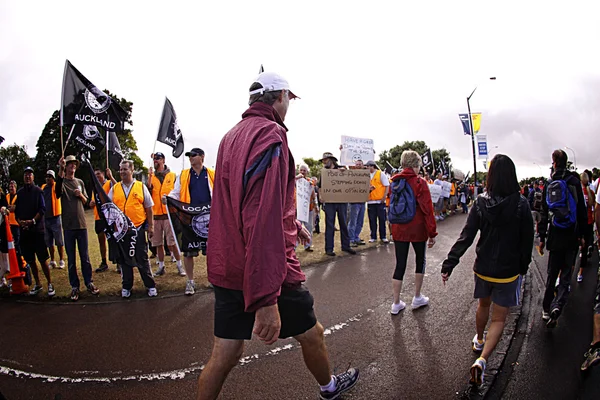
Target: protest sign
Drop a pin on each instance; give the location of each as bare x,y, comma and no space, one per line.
303,192
446,187
356,149
436,192
345,186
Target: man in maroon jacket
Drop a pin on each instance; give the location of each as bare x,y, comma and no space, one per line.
252,265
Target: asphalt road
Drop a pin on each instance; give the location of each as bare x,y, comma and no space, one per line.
155,348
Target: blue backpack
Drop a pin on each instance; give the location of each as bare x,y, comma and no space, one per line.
403,205
562,204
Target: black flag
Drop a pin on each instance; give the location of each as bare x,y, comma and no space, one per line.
168,131
84,103
115,154
119,230
88,138
190,224
427,160
261,70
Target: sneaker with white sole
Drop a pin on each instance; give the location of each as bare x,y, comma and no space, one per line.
478,345
579,278
35,290
173,259
125,293
385,240
52,264
553,321
51,291
478,372
371,240
160,271
152,292
61,264
420,301
3,282
343,383
189,288
396,308
181,270
545,316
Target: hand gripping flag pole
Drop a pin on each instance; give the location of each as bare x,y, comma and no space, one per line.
16,275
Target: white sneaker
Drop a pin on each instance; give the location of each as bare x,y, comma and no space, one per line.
579,278
189,288
420,301
52,264
173,259
3,282
152,292
545,316
371,240
181,270
386,241
396,308
61,264
477,345
478,372
125,293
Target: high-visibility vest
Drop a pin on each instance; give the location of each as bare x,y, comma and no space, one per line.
160,189
56,205
106,188
184,193
453,189
379,191
11,217
132,205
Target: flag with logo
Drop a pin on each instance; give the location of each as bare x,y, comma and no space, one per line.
88,138
83,103
119,230
427,159
464,119
168,131
190,223
115,154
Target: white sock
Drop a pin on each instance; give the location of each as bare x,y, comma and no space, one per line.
330,387
179,264
161,264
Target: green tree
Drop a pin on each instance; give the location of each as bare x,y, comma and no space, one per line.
394,154
439,155
314,166
14,159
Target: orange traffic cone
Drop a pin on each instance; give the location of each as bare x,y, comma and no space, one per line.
16,275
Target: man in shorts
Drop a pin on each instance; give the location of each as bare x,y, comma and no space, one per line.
29,211
251,260
53,219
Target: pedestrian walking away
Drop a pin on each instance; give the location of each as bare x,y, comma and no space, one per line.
259,289
413,223
503,220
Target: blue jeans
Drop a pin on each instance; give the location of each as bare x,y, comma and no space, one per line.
79,237
331,209
377,214
356,222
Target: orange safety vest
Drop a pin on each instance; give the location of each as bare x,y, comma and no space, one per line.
106,188
184,191
379,191
453,189
56,205
132,205
11,217
160,189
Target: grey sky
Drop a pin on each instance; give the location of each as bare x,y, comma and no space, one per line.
391,71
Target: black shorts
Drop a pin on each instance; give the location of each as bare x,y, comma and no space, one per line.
33,244
99,226
295,310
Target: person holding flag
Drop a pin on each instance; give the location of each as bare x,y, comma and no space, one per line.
52,217
160,183
193,186
99,224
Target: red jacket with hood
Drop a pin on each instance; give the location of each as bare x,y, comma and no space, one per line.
253,226
423,225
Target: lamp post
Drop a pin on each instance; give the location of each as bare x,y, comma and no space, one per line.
493,78
538,165
574,156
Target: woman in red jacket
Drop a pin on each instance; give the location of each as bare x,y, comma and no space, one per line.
418,231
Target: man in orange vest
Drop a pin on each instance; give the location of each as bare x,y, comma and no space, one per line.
380,185
193,186
133,198
52,218
160,183
99,224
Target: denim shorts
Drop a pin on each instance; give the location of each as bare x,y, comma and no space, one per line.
503,294
53,233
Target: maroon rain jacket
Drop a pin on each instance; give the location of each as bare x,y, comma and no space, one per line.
253,226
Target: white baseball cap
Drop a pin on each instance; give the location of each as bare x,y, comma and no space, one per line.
272,82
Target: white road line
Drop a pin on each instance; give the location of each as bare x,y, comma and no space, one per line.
173,375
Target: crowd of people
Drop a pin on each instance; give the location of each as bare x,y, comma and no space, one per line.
254,235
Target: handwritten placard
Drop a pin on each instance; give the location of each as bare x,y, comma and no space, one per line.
303,192
345,186
354,149
446,188
436,192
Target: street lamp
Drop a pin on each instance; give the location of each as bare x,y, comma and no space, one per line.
493,78
574,157
538,165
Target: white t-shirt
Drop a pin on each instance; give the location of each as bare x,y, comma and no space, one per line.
384,181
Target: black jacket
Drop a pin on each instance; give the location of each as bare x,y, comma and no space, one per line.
506,239
557,238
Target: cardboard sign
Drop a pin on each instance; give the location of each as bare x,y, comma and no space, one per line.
446,188
436,192
345,185
356,149
303,192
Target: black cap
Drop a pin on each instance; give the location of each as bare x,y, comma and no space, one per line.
28,169
195,150
159,155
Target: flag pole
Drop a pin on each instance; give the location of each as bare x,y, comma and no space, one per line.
62,96
69,138
107,144
173,229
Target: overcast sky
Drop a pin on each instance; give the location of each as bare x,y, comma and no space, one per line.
391,71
